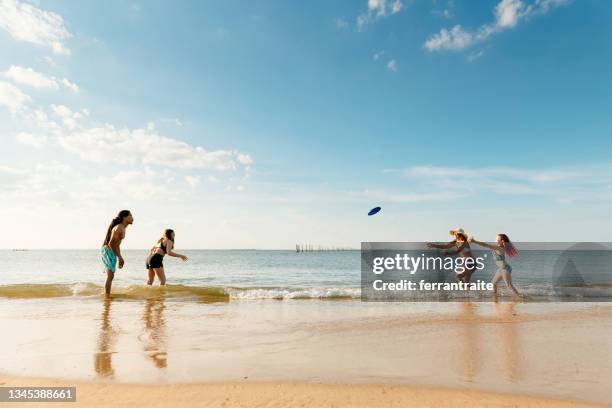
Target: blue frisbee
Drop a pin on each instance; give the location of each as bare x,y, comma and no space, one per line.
373,211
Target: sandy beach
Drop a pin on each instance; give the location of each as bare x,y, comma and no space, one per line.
160,352
249,394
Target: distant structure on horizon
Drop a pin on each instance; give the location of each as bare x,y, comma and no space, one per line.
319,248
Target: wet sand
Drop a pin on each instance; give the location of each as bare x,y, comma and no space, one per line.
289,353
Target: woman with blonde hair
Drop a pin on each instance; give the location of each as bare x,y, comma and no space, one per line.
155,260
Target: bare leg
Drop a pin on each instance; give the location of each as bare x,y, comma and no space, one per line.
508,281
496,279
151,276
109,281
161,275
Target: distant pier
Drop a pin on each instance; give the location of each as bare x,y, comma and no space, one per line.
319,248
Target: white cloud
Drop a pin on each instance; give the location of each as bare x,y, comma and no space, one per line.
245,159
558,182
146,146
377,9
444,11
391,64
341,23
26,22
70,85
29,139
541,176
62,110
455,39
396,6
29,77
174,121
377,6
145,184
12,97
39,118
362,20
69,118
508,13
475,55
42,180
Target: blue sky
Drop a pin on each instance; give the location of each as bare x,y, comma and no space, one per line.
264,124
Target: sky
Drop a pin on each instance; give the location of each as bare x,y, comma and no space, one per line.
248,124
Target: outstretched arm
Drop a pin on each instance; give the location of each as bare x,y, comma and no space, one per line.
169,251
484,244
441,246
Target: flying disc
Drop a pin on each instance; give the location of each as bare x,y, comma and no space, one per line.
373,211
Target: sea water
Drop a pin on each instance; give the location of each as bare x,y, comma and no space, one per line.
266,274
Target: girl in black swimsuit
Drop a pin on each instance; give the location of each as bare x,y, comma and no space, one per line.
155,260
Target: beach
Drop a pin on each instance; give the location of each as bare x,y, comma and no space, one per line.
283,395
314,351
310,342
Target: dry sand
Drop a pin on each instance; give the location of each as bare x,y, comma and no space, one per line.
285,395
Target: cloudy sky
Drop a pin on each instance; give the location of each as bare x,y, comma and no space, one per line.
246,124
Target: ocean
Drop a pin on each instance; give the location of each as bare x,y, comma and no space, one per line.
236,274
231,275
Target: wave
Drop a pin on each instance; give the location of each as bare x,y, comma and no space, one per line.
178,292
284,294
225,294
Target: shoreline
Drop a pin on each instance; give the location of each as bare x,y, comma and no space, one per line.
98,394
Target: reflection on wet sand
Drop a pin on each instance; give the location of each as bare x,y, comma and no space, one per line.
103,362
470,336
153,336
508,344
